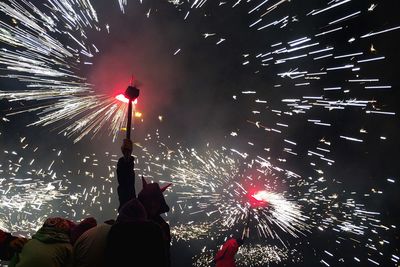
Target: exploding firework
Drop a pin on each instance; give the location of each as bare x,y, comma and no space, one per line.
322,74
207,202
34,52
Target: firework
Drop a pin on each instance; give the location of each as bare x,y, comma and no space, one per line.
33,54
326,72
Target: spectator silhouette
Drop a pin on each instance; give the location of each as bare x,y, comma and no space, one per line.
81,228
9,245
126,174
225,257
135,241
154,202
49,247
90,247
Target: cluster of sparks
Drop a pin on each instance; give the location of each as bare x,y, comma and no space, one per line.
191,231
292,206
215,190
34,51
209,199
252,256
215,182
36,183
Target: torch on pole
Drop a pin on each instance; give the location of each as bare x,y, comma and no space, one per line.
131,94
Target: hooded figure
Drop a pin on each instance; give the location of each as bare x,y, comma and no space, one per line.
153,201
225,257
49,247
135,241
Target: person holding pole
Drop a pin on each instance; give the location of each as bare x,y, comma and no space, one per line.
126,174
125,166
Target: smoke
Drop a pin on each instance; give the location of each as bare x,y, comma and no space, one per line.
139,50
188,89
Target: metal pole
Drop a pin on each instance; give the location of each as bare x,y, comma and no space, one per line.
131,93
128,126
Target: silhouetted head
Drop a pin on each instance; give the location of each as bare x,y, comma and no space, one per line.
131,211
82,227
153,199
59,224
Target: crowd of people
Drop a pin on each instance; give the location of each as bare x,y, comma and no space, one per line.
138,235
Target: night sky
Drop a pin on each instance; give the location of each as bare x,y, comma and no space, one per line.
296,98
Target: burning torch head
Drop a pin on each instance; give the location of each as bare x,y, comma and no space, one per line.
131,93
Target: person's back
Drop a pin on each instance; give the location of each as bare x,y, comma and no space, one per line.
90,247
136,243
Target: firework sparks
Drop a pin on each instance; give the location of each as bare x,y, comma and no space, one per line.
218,190
251,255
48,67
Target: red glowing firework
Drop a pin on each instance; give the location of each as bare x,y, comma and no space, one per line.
258,199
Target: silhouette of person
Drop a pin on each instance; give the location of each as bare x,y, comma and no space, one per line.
154,202
49,247
9,245
126,174
90,247
225,257
135,241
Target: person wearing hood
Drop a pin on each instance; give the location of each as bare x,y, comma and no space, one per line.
152,198
225,257
49,247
